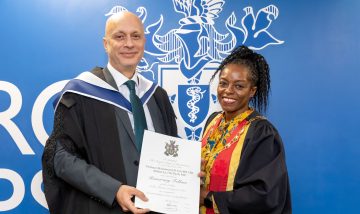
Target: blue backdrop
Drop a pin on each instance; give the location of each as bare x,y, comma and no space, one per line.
312,48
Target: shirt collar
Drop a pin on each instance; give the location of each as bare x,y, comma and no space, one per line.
119,78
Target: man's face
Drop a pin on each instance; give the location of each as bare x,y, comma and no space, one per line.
124,43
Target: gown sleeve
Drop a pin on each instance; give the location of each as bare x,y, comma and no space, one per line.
64,162
85,177
261,183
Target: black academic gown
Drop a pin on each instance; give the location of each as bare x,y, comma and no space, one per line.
87,128
261,182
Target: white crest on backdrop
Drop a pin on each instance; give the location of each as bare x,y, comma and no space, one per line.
179,59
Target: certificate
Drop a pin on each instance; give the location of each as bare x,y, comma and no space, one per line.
168,174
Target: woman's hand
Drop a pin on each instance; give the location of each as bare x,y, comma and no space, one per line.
203,194
203,190
202,173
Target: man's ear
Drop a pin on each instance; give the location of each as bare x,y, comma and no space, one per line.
105,44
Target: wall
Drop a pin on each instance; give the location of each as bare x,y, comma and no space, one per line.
312,48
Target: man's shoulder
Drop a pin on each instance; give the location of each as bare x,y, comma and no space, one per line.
161,95
161,91
70,99
97,71
85,83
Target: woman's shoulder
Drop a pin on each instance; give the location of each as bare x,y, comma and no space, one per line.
262,133
258,122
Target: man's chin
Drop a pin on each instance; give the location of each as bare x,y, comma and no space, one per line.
130,62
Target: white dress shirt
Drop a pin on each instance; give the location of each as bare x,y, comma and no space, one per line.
141,85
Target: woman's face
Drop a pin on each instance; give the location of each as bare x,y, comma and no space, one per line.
235,90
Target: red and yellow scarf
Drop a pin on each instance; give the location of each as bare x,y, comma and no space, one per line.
221,149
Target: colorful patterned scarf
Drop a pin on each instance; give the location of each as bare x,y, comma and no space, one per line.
221,149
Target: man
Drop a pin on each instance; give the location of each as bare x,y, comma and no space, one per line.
91,159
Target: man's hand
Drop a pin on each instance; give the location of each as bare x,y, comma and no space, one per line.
124,196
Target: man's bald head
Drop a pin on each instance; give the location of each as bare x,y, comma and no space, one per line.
117,18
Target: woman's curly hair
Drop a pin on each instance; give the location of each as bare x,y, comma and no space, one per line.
259,73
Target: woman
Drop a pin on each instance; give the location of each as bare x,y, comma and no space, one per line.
243,154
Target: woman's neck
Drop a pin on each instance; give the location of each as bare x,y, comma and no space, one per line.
231,115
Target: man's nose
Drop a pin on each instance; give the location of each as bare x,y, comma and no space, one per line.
129,42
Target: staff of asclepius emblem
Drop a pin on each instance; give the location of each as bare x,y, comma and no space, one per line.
196,94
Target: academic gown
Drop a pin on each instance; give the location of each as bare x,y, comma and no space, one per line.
261,184
87,128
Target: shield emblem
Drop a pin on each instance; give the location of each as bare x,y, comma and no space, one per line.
193,103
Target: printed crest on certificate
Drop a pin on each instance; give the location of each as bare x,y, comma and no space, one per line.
168,174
